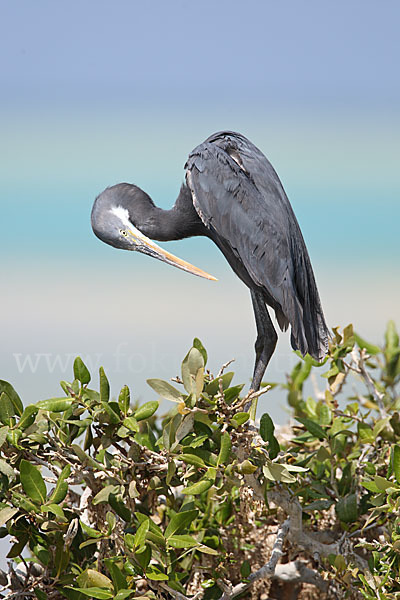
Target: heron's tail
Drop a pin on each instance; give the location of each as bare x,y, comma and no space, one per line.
311,337
310,333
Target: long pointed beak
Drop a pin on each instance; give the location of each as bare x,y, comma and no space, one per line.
147,246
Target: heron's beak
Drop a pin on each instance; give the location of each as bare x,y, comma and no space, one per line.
145,245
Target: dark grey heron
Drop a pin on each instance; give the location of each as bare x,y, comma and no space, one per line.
233,196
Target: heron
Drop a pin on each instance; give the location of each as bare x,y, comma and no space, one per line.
233,196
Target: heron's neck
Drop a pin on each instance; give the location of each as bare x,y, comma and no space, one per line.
181,221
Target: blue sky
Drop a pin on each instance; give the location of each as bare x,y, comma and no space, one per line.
99,92
129,51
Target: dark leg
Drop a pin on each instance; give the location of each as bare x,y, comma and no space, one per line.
266,338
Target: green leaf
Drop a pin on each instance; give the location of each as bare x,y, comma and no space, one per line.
239,419
155,574
391,336
140,535
143,556
180,521
61,557
81,371
120,508
55,404
131,424
225,449
198,488
118,578
22,501
104,386
111,521
61,489
213,387
301,372
233,393
245,569
124,399
370,348
112,410
89,542
185,427
86,458
396,462
3,434
16,401
122,594
246,467
28,417
208,457
90,531
6,514
182,541
13,436
199,346
365,433
104,494
267,427
17,548
146,410
323,413
192,367
165,389
322,504
32,482
192,459
7,410
55,509
277,472
348,336
93,592
7,470
346,508
91,577
381,483
207,550
315,429
273,448
296,468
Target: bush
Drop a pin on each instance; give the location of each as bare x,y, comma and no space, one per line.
103,499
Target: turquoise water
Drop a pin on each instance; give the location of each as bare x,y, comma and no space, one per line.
342,179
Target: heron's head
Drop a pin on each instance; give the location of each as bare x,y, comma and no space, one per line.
116,214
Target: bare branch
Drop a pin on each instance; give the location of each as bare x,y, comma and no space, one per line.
359,359
267,571
298,572
225,366
251,395
178,595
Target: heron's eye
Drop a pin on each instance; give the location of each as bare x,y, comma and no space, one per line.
123,232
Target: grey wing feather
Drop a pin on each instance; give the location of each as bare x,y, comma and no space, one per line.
240,198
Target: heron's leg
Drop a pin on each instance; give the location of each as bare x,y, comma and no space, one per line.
266,338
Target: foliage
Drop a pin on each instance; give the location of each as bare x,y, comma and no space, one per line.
102,499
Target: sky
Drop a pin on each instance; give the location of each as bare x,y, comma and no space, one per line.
99,92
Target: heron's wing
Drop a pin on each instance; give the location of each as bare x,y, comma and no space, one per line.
239,197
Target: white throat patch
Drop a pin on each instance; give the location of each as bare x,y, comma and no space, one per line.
122,214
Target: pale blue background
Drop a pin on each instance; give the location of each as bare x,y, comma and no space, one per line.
97,92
